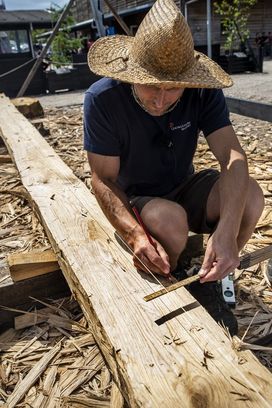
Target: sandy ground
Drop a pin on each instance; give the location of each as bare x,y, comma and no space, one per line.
253,86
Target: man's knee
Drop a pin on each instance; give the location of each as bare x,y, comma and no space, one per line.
255,202
167,222
164,215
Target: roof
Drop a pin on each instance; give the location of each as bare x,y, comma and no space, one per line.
15,17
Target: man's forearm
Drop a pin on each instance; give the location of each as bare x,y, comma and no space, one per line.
114,203
233,188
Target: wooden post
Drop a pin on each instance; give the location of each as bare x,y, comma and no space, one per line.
98,17
44,50
118,18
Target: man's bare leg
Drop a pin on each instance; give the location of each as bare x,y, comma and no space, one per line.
252,212
167,222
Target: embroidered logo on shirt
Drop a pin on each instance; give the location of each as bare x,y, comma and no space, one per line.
182,126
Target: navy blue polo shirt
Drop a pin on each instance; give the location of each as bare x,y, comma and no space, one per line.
156,153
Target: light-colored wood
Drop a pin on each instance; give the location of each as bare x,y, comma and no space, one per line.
170,288
27,265
117,400
5,158
29,107
152,365
246,261
49,380
32,377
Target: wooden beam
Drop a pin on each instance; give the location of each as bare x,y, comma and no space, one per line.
27,265
253,109
44,50
5,158
118,18
188,361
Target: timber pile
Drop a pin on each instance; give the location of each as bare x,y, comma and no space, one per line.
209,359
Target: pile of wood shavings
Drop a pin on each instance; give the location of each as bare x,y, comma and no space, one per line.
20,229
52,360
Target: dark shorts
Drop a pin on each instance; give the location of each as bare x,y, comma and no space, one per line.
192,195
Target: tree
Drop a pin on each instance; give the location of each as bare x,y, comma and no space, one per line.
63,44
234,15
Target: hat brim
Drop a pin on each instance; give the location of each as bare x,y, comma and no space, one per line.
110,57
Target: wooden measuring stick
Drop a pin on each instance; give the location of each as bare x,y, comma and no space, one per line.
246,261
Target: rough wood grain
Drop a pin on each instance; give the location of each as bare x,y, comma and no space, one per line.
5,158
17,294
153,365
27,265
32,377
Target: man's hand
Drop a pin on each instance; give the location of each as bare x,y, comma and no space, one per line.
221,258
155,259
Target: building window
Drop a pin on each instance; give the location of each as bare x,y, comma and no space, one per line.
14,42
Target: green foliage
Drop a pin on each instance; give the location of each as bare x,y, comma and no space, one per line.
35,34
64,43
234,15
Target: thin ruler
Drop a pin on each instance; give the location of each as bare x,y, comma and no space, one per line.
246,261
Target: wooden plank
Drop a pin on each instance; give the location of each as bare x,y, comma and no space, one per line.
17,294
152,365
27,265
5,158
31,318
257,110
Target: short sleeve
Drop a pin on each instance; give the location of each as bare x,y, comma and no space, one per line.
99,130
214,113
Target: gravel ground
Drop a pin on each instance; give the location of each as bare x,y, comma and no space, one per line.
254,86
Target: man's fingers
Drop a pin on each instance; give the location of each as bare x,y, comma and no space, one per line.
207,265
219,271
163,259
151,260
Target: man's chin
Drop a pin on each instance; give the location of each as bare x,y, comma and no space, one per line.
156,112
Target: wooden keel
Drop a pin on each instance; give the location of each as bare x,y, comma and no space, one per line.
186,362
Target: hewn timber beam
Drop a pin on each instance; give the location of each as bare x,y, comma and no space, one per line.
187,361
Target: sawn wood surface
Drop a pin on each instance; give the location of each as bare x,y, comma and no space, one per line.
187,361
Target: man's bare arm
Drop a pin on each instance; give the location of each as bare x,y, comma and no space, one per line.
222,250
114,203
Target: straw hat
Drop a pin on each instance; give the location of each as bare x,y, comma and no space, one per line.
161,53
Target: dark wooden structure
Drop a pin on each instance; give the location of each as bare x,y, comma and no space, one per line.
133,11
257,110
16,50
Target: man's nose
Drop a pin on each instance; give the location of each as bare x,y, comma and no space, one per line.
159,100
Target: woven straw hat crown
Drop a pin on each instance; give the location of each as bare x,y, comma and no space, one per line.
163,42
161,53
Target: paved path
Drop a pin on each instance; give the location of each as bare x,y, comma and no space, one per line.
252,86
